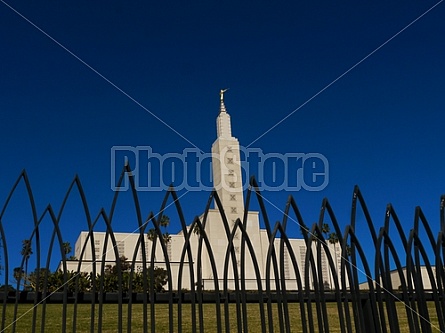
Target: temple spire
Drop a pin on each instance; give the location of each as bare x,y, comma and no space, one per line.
226,165
222,107
223,121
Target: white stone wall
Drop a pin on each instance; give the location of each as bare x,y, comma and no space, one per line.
396,280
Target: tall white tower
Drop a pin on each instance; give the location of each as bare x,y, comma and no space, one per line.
228,182
226,166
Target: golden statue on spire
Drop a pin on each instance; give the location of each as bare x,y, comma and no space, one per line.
221,94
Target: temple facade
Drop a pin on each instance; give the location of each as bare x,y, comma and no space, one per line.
227,180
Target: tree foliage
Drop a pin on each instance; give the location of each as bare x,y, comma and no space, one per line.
55,281
66,247
111,278
8,287
333,238
164,222
19,274
325,229
26,252
83,282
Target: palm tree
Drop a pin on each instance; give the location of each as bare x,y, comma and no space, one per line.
66,247
325,229
164,221
26,252
18,273
333,239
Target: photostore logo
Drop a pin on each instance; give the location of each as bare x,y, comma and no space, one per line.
192,169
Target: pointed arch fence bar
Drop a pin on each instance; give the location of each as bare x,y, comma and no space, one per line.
403,289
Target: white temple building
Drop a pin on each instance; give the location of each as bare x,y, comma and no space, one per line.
227,178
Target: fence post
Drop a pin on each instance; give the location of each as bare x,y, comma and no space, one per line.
368,318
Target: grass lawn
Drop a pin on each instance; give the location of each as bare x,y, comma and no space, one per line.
54,315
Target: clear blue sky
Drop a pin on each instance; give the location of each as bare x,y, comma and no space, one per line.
380,125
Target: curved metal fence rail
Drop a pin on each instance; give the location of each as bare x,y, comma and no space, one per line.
303,304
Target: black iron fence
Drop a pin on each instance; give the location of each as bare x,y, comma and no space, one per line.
403,288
